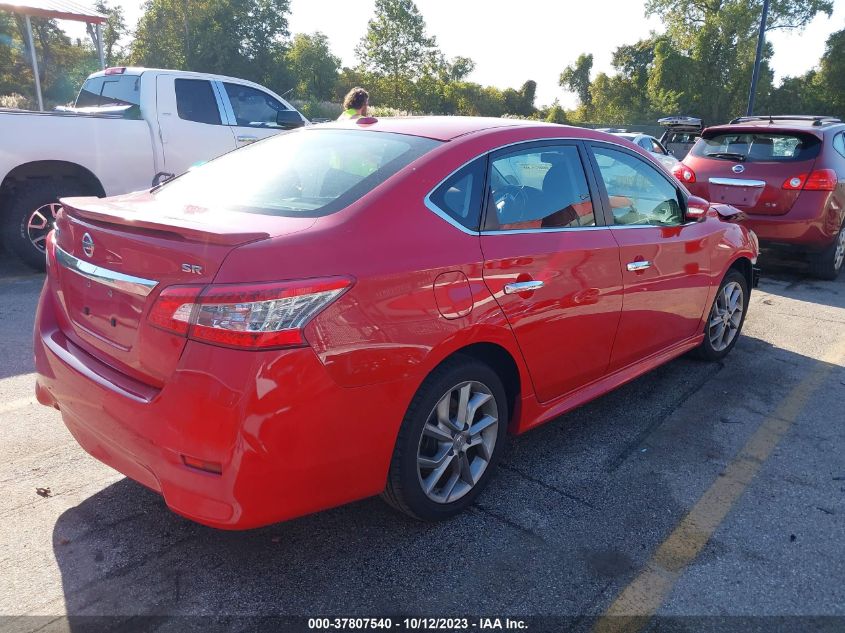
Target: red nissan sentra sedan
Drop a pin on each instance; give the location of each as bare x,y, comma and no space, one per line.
370,307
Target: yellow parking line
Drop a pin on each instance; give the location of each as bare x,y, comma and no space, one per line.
641,599
14,405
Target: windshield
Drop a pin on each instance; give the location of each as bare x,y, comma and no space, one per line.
307,173
759,146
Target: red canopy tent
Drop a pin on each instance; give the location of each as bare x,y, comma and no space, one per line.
54,10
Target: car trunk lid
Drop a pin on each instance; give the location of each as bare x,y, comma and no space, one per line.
115,256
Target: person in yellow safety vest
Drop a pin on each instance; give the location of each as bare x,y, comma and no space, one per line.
355,104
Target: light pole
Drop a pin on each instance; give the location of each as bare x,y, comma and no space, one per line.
761,39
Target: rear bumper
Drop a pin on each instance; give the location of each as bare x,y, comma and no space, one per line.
288,439
811,224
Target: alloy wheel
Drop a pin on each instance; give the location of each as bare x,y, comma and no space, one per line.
726,316
40,222
457,442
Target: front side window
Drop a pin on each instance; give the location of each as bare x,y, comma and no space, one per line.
539,188
253,108
195,101
638,193
459,196
308,173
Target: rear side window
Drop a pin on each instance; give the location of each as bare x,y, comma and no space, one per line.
459,196
195,101
759,146
307,173
839,143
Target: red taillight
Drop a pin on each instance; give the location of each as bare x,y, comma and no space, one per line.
253,316
683,173
115,70
818,180
172,310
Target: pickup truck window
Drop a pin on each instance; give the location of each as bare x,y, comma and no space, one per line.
195,101
113,90
253,108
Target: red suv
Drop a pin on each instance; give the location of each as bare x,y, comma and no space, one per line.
370,307
787,173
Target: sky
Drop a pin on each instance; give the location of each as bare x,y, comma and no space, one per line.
512,42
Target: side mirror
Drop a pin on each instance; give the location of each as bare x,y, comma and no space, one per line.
289,119
162,177
696,208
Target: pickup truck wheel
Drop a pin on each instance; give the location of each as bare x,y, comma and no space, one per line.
724,322
30,215
828,263
449,442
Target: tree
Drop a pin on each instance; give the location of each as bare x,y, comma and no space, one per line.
576,78
313,67
716,41
396,48
113,31
246,38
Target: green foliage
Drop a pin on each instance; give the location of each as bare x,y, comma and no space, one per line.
62,63
396,50
702,65
244,38
312,65
576,78
114,30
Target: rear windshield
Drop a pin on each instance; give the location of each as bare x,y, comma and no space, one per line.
307,173
110,90
781,147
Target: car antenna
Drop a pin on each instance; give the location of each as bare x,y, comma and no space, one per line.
771,120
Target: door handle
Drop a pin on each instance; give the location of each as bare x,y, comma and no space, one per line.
247,139
522,286
637,266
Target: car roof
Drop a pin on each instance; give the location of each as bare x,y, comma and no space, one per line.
440,128
785,123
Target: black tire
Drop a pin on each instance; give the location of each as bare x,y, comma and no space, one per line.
404,490
707,350
28,198
829,263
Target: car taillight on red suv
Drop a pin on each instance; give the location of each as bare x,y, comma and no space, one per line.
248,316
683,173
818,180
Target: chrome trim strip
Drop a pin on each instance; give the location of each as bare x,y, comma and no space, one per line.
737,182
442,214
111,278
562,229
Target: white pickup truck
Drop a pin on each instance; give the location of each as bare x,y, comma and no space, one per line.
128,128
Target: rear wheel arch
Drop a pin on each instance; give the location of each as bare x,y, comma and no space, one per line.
28,203
500,360
42,170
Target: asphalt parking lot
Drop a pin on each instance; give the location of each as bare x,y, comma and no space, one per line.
698,490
